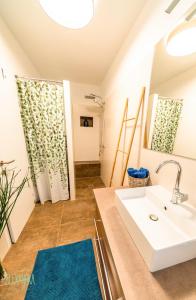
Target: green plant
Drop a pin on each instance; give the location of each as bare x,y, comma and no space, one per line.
9,193
2,272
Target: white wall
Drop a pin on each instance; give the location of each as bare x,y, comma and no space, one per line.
86,139
183,86
129,72
13,61
68,109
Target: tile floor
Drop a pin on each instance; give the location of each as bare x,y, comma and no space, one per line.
87,169
51,225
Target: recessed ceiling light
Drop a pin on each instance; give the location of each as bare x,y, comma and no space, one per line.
72,14
182,40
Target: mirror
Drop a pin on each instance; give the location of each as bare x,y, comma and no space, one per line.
171,116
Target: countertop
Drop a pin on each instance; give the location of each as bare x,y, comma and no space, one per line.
177,282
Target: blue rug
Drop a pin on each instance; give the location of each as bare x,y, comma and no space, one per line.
65,273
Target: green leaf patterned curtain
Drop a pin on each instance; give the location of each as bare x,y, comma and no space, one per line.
166,123
42,113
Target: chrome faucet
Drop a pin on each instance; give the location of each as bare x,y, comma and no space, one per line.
177,196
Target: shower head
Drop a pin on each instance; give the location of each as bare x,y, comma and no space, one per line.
92,96
97,99
89,97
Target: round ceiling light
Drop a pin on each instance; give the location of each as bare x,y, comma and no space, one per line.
182,40
72,14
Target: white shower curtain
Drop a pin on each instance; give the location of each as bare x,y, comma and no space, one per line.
48,189
42,112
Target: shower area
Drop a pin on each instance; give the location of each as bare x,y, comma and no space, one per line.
88,109
63,125
45,108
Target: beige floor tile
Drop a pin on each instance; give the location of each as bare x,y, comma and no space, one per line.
78,210
13,292
45,216
75,231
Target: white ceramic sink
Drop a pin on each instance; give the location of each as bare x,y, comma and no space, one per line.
169,240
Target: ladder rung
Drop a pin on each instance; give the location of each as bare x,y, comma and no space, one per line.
125,119
122,151
129,119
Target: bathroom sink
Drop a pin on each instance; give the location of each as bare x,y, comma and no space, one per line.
164,233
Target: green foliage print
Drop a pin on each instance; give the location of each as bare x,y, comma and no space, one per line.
42,113
166,124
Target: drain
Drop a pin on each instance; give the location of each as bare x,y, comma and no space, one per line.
153,217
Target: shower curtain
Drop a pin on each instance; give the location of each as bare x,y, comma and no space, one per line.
166,122
42,113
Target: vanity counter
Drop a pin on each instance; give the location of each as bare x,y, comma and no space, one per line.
174,283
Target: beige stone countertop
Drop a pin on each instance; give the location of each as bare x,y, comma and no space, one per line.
176,283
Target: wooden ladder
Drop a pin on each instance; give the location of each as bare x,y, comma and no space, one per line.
123,123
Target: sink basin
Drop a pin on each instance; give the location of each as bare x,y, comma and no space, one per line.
164,233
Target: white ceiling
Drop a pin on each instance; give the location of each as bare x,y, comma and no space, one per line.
166,66
80,55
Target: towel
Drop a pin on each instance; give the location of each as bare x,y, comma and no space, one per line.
138,173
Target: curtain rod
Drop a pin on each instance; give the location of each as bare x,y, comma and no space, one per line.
38,79
169,98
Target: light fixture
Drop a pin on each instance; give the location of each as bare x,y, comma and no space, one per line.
72,14
182,40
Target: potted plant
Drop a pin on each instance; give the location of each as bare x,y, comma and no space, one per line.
9,193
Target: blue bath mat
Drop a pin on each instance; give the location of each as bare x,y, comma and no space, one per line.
65,273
